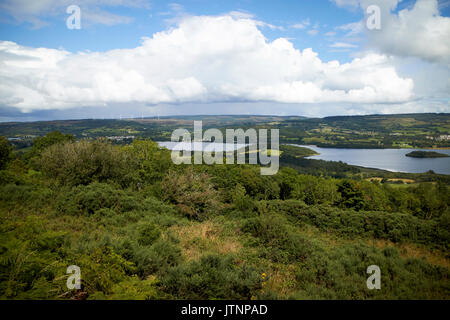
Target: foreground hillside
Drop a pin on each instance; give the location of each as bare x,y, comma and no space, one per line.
140,227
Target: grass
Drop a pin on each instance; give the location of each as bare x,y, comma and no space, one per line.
196,238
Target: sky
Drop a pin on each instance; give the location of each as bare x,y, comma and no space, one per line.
142,58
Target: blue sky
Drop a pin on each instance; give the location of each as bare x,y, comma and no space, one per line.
322,15
332,29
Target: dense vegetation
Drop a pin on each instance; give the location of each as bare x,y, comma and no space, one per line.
140,227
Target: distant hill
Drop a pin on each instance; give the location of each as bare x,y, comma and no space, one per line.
423,130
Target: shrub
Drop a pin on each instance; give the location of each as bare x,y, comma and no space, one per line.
315,190
83,162
149,162
393,226
102,269
132,288
157,258
212,277
148,233
93,197
241,200
275,233
341,274
192,192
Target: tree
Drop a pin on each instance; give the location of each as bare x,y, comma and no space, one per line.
149,161
5,152
352,196
287,180
52,138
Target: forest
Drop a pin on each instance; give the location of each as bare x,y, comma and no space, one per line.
140,227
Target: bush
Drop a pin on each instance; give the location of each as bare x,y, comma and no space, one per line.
93,197
149,162
212,277
148,233
83,162
241,201
102,269
341,274
275,232
315,190
158,258
393,226
52,138
132,288
192,192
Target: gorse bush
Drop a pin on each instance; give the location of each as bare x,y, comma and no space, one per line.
95,196
157,258
274,232
378,224
132,288
148,233
83,162
102,269
341,274
212,277
193,193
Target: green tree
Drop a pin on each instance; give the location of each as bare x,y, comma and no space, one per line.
149,161
5,152
351,195
54,137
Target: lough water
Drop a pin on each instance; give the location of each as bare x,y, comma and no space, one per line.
387,159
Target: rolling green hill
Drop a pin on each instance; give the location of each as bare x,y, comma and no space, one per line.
372,131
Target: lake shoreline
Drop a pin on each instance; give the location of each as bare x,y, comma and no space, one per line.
389,159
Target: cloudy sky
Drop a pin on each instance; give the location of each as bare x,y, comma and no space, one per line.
134,58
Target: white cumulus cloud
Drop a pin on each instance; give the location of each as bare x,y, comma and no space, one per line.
419,32
202,59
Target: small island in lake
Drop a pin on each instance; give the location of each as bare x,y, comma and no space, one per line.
426,154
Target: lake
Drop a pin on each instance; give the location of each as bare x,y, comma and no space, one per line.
387,159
